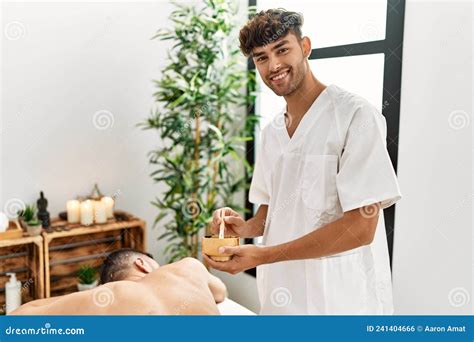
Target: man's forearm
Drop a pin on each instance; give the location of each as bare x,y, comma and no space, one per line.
349,232
256,225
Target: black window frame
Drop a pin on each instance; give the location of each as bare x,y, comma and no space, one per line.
392,48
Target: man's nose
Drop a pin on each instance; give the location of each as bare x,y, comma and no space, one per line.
274,65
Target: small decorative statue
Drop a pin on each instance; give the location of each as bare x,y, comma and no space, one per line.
95,195
43,214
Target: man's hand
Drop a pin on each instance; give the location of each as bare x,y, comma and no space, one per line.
235,225
244,257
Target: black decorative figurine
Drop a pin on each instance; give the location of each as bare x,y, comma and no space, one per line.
43,214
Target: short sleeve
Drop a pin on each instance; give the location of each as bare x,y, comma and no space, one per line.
366,173
259,193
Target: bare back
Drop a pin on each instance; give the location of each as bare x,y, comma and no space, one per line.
181,288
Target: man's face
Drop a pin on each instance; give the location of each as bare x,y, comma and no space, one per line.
282,65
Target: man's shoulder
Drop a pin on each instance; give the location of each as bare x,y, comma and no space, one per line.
179,268
351,108
345,100
187,263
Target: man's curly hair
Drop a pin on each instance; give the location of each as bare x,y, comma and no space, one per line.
267,27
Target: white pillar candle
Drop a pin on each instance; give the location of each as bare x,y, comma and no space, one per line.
109,206
3,222
73,208
99,212
87,213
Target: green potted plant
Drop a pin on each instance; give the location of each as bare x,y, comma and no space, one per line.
87,278
201,118
29,220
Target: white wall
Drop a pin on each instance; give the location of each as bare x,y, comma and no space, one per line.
70,61
432,266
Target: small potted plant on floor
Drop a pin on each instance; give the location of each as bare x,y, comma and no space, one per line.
87,277
29,221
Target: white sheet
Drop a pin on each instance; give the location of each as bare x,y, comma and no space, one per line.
229,307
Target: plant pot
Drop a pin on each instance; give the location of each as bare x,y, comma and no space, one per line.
23,224
211,245
85,287
34,230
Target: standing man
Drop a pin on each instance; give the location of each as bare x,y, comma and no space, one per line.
321,179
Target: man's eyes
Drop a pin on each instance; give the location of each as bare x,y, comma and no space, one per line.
262,58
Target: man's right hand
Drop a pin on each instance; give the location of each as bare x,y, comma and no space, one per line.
235,225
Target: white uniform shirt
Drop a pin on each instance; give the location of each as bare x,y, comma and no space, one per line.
335,161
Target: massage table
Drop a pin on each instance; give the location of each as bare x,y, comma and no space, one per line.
229,307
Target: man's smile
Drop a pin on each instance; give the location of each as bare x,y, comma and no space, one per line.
280,77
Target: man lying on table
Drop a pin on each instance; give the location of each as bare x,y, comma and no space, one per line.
133,283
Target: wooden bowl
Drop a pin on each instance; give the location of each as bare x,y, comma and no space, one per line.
211,245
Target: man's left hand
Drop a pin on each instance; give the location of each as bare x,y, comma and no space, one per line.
243,258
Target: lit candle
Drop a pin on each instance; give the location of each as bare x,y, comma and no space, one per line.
87,213
109,206
99,212
73,211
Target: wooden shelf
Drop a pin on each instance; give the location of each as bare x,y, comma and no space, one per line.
25,257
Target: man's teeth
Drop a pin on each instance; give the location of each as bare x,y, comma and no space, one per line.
280,76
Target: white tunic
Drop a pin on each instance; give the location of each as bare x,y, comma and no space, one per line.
335,161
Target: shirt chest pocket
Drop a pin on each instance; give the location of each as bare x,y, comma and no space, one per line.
318,185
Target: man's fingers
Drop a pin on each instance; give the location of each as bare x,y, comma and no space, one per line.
216,220
229,250
214,264
216,216
227,211
232,220
208,260
225,266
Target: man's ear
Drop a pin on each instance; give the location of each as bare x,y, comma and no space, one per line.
306,45
142,265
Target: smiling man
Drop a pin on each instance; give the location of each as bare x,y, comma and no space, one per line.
322,179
